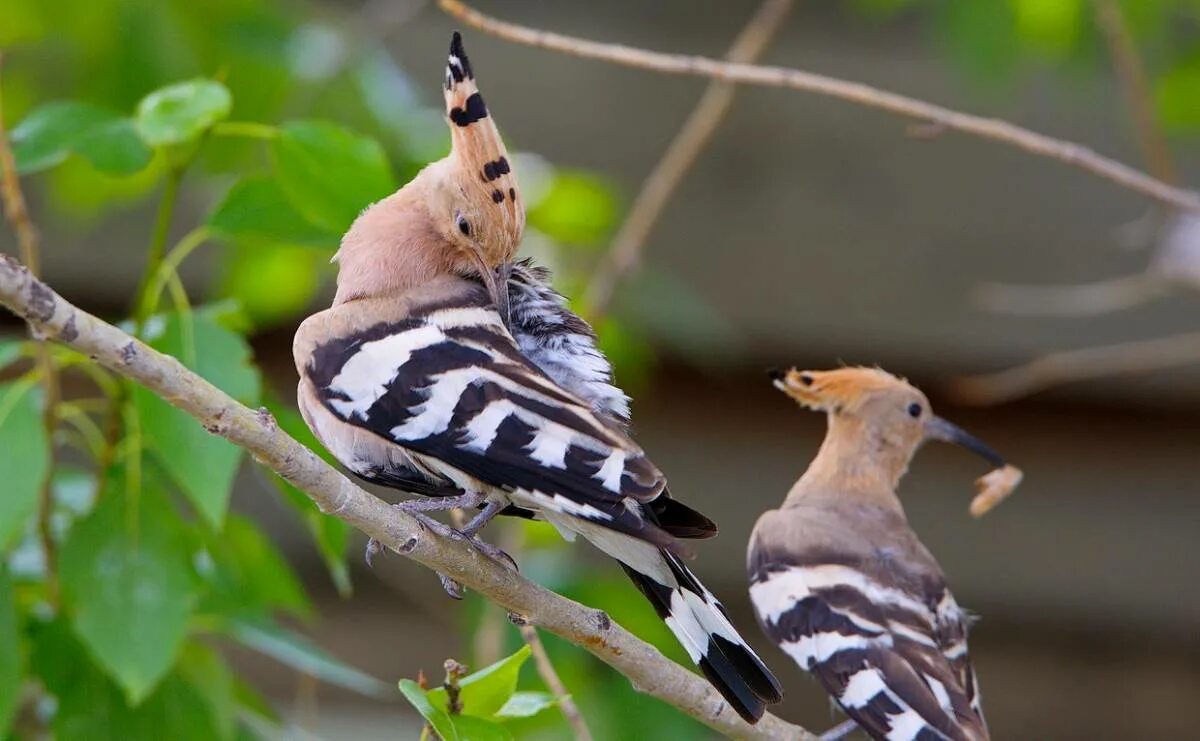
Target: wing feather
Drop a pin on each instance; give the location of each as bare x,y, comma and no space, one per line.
449,384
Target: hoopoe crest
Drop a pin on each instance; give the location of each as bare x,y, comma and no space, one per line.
462,214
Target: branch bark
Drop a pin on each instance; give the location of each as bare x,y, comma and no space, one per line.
650,672
1067,152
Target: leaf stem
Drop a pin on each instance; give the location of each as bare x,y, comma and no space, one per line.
144,303
169,266
246,129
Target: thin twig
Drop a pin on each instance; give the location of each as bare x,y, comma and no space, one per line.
257,432
625,253
1132,73
17,212
546,670
998,130
1126,358
1073,300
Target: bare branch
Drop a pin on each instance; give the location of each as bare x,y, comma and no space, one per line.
1067,152
1132,73
1073,300
256,431
625,253
1054,369
546,670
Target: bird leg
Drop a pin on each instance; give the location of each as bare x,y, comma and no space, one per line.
840,731
486,514
469,500
417,509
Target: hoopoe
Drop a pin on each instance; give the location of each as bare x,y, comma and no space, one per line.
840,581
444,369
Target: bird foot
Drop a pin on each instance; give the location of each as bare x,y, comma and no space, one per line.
424,521
452,587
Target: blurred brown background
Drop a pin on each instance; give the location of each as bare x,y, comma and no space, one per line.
824,234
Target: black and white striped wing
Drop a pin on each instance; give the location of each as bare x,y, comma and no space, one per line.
952,623
449,385
874,648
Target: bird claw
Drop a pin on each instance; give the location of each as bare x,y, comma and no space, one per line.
374,548
427,523
424,521
495,553
453,588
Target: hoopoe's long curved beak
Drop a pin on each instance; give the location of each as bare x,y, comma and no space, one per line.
937,428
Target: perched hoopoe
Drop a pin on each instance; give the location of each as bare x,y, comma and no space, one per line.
840,581
431,375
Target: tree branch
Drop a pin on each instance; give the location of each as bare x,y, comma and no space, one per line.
1127,63
546,670
1053,369
53,317
682,152
1067,152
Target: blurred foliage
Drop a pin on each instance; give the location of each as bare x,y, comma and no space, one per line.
286,121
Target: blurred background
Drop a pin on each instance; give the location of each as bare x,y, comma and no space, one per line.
808,232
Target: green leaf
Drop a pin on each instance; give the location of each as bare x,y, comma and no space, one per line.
470,728
10,350
330,174
179,113
1175,95
201,464
128,582
210,679
47,135
91,707
330,534
114,148
256,210
579,208
247,574
250,702
484,692
273,283
286,647
980,36
526,704
438,718
1051,26
11,661
24,456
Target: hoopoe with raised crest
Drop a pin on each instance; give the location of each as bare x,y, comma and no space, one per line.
444,369
840,581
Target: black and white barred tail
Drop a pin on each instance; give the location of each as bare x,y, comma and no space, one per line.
702,627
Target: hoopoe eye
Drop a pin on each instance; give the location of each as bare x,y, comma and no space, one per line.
806,379
463,226
914,410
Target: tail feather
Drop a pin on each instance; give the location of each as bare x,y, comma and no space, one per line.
701,625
